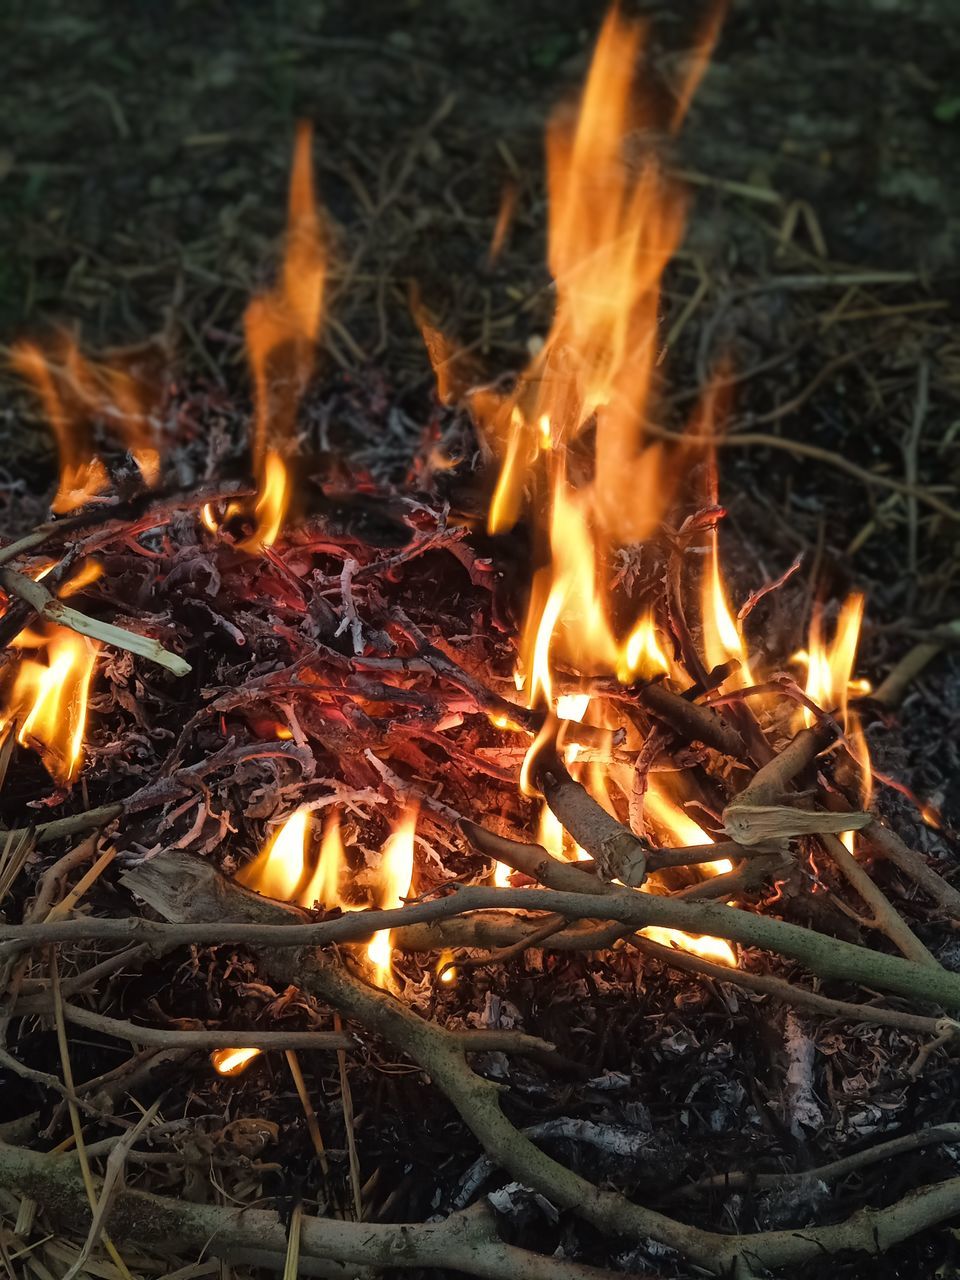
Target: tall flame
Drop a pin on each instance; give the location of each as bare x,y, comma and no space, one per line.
48,700
396,873
612,229
281,328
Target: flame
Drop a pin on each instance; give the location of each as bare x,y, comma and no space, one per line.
277,870
446,975
49,699
612,229
830,682
281,328
682,830
721,634
643,654
324,886
396,873
75,394
230,1062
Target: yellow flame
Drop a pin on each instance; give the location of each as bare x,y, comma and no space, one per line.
612,229
396,873
446,975
721,634
281,328
49,699
643,653
230,1062
683,830
324,886
277,870
830,682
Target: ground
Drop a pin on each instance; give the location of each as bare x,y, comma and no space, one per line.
142,184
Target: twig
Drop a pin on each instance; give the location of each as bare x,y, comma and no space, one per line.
893,689
885,918
735,1180
618,853
465,1241
889,845
477,1101
53,610
759,439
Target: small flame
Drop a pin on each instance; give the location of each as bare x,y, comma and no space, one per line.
231,1062
721,635
75,394
49,700
508,207
643,654
830,682
682,829
396,873
277,870
324,886
446,975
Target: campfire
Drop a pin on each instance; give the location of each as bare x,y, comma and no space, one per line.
319,781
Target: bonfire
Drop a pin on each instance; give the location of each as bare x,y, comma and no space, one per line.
366,841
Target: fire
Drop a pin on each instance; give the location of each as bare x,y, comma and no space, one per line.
612,229
281,327
396,873
721,635
447,975
324,886
682,829
830,682
230,1062
277,870
76,393
48,700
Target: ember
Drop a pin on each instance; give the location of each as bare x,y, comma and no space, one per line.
475,796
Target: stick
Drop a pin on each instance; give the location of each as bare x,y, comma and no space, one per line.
477,1100
893,689
53,610
618,853
885,918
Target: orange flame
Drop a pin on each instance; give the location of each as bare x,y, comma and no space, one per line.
277,870
682,829
281,328
721,634
324,886
75,393
49,700
830,682
230,1062
612,230
396,873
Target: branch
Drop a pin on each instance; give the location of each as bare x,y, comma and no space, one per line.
36,595
465,1241
441,1055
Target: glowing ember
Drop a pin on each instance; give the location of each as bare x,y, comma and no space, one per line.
277,870
231,1062
446,974
48,700
396,873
